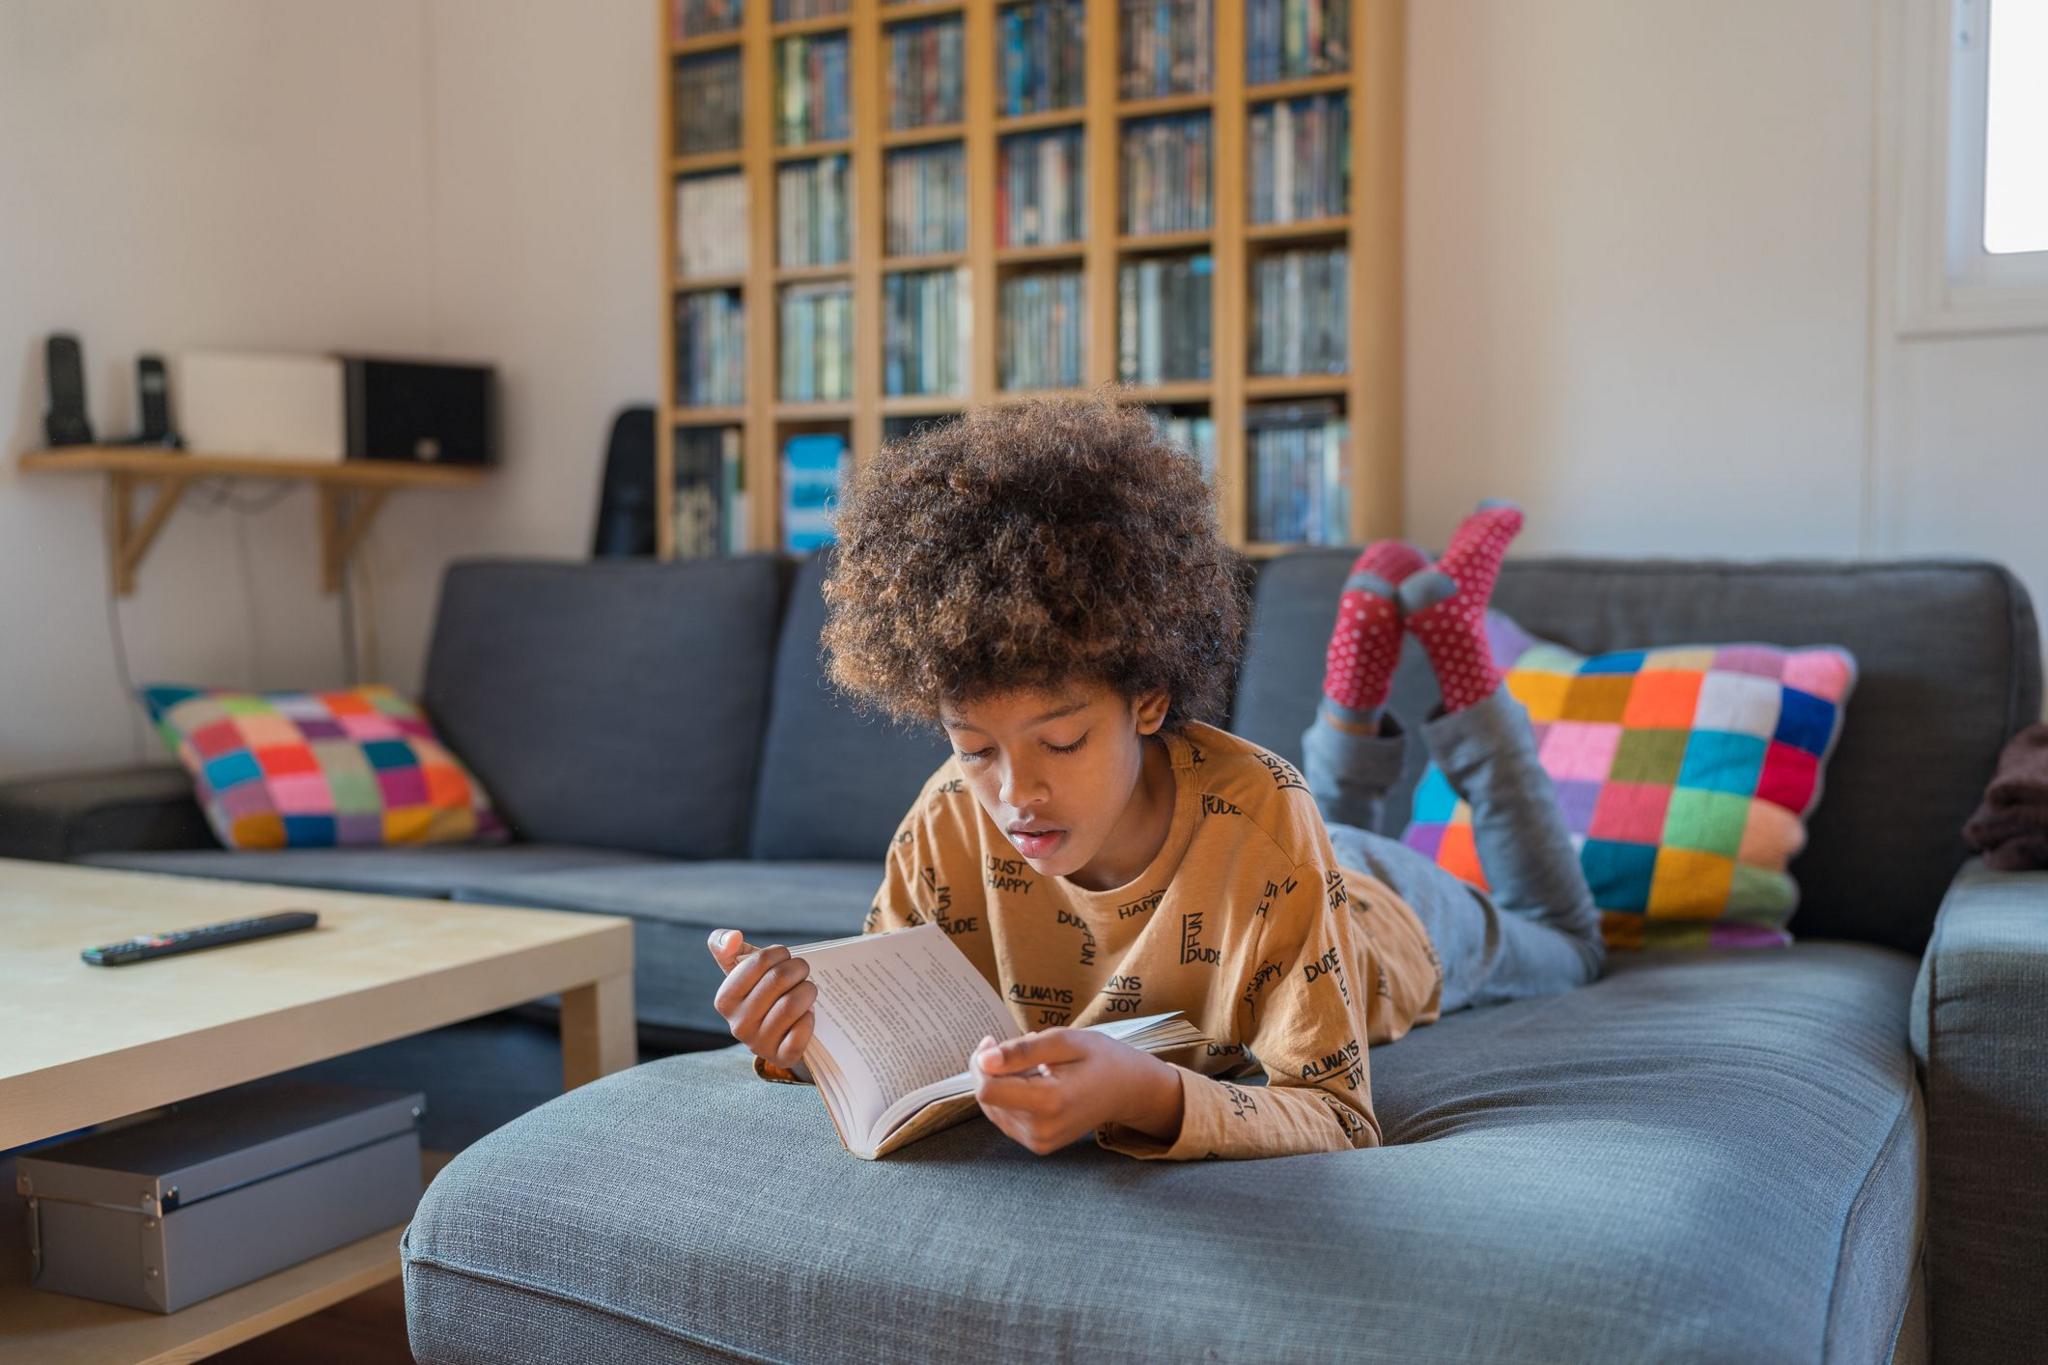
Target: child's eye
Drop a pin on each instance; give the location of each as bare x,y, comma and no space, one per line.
977,754
1068,748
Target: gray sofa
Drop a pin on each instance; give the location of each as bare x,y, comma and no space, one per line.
1832,1152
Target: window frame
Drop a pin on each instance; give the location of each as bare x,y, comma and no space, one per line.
1948,282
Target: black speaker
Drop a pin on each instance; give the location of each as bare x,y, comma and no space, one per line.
420,412
625,505
64,421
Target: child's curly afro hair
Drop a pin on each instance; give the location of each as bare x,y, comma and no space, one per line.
1030,546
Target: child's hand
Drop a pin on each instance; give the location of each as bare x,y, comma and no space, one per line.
1049,1087
766,997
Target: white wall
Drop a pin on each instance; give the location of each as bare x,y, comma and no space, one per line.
464,178
1649,298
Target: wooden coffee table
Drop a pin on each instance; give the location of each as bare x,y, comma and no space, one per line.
81,1045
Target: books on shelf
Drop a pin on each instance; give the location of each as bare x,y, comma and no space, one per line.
711,224
711,348
1166,47
814,464
897,1015
786,10
811,103
927,72
1040,56
707,102
1166,173
1163,318
695,18
1299,311
897,428
814,201
1194,433
1043,316
1284,39
817,341
926,210
709,499
1041,192
926,332
1300,155
1295,472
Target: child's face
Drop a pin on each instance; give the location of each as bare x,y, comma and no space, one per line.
1068,761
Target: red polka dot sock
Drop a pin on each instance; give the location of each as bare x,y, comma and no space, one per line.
1366,643
1445,605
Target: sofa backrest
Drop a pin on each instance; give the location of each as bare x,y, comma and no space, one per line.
835,783
617,704
1949,666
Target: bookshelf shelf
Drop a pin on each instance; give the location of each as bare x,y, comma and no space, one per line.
706,161
705,42
992,313
1046,118
1332,83
920,137
1165,104
1306,228
804,151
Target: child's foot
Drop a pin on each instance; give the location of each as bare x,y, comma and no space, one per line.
1366,643
1445,605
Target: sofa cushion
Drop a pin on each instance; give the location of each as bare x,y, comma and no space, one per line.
1948,665
611,704
675,906
835,782
1614,1174
432,870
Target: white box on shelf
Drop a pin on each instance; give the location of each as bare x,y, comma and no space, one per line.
259,404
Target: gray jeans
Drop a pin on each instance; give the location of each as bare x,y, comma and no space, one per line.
1538,932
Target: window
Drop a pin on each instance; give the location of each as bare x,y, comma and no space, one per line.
1974,204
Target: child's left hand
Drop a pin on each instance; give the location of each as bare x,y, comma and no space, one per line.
1047,1088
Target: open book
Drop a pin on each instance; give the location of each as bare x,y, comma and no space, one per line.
897,1012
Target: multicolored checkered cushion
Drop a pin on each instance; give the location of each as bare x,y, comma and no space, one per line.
317,769
1685,777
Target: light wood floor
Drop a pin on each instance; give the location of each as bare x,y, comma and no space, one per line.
368,1329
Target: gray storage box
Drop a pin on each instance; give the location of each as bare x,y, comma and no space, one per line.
221,1190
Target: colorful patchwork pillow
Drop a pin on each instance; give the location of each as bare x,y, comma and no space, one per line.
1685,777
319,769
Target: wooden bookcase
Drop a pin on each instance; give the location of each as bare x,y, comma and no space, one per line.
1370,391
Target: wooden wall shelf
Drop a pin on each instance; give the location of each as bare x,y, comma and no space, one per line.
350,494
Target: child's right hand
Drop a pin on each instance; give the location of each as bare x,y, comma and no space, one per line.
766,997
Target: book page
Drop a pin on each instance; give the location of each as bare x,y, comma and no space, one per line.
895,1012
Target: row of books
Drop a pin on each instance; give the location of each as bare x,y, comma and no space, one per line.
708,500
1165,46
1284,39
1300,153
711,224
1192,432
1039,56
1163,318
1299,301
815,202
1043,320
926,329
1041,194
1295,481
707,102
1166,173
817,341
711,348
695,18
926,73
927,200
815,465
813,106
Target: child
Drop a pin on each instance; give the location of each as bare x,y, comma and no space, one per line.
1047,584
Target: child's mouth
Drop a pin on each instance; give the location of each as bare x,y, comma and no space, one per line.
1037,845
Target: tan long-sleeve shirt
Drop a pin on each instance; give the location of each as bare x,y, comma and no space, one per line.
1244,921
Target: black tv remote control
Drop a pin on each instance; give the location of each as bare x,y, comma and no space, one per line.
205,936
